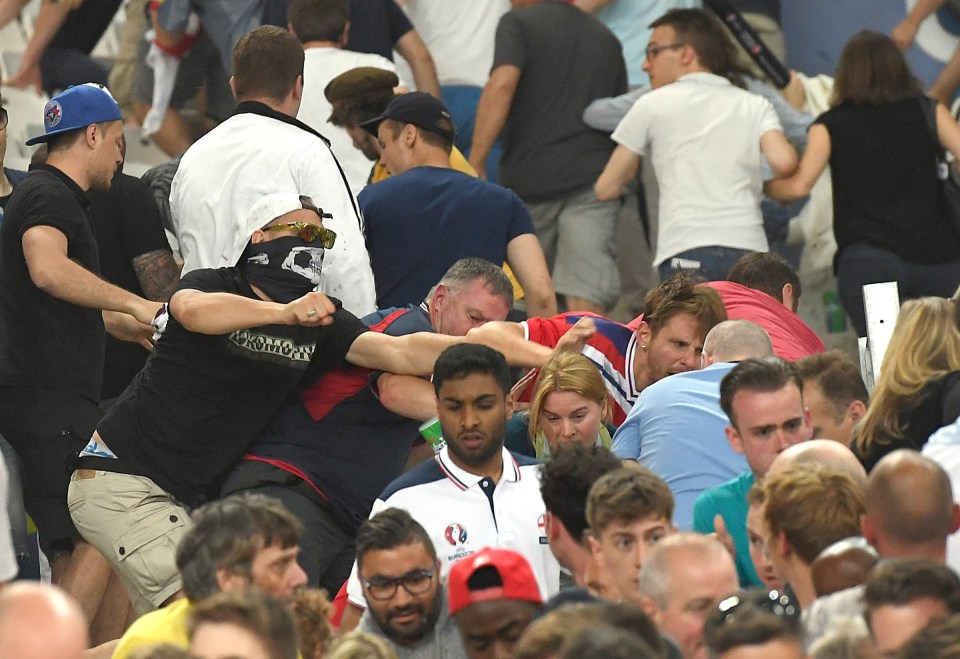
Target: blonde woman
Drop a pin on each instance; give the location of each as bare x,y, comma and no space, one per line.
919,386
569,405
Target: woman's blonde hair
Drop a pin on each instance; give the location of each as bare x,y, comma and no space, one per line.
360,645
568,371
925,345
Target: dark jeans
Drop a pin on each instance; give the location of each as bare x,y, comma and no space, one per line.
861,263
714,262
327,549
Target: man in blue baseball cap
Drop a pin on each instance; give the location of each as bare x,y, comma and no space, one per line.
53,310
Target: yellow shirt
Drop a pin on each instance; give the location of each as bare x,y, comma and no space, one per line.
166,625
459,163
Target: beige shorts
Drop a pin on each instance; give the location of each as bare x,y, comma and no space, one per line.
136,526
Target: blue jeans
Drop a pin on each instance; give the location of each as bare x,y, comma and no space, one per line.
861,263
461,101
710,263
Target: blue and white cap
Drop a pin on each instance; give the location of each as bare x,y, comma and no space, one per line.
77,108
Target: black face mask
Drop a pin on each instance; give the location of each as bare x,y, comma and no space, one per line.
284,268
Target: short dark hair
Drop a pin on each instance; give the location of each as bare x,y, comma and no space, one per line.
266,63
940,639
264,617
468,270
683,293
767,272
705,34
318,20
608,642
226,535
837,376
463,359
873,71
901,581
565,481
764,375
389,528
64,141
753,622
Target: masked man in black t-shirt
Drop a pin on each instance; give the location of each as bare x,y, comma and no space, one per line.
53,309
236,343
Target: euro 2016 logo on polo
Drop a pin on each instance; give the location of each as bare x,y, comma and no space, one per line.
455,534
52,114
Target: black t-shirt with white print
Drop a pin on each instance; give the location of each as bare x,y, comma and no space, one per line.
200,400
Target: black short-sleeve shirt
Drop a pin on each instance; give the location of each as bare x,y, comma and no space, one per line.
567,59
45,341
375,26
126,223
201,399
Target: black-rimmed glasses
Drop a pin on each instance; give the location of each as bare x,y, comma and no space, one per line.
653,49
416,582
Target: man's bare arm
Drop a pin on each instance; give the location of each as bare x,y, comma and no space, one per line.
50,19
620,170
411,48
407,396
492,112
157,273
222,313
45,251
525,257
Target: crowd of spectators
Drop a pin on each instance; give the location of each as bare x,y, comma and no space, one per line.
366,370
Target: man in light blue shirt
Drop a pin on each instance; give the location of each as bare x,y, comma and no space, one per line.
676,427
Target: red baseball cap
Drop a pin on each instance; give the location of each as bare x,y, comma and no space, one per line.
516,579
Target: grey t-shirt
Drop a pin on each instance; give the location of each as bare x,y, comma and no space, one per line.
567,58
442,642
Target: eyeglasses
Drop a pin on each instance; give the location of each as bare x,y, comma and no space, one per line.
416,582
3,118
653,49
309,232
776,602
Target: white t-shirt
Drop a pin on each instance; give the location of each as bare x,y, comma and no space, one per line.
245,158
703,137
459,35
321,65
463,513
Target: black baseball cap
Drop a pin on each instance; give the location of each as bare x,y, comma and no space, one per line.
417,108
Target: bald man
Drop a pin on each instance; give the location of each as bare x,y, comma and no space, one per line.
681,425
909,513
684,578
40,622
826,452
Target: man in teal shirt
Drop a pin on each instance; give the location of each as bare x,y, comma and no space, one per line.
764,400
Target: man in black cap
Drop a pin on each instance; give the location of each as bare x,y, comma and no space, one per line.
361,94
51,327
428,206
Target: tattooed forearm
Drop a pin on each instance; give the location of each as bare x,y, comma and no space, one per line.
158,274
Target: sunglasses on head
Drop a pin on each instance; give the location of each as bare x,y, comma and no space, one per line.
776,602
309,232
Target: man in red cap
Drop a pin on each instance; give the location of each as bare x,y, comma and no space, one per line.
493,597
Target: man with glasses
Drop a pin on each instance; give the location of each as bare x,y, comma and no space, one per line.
402,586
709,136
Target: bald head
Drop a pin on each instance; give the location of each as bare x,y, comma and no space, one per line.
909,503
734,341
40,622
824,452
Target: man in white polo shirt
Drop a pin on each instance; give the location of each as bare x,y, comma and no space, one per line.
704,137
474,493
